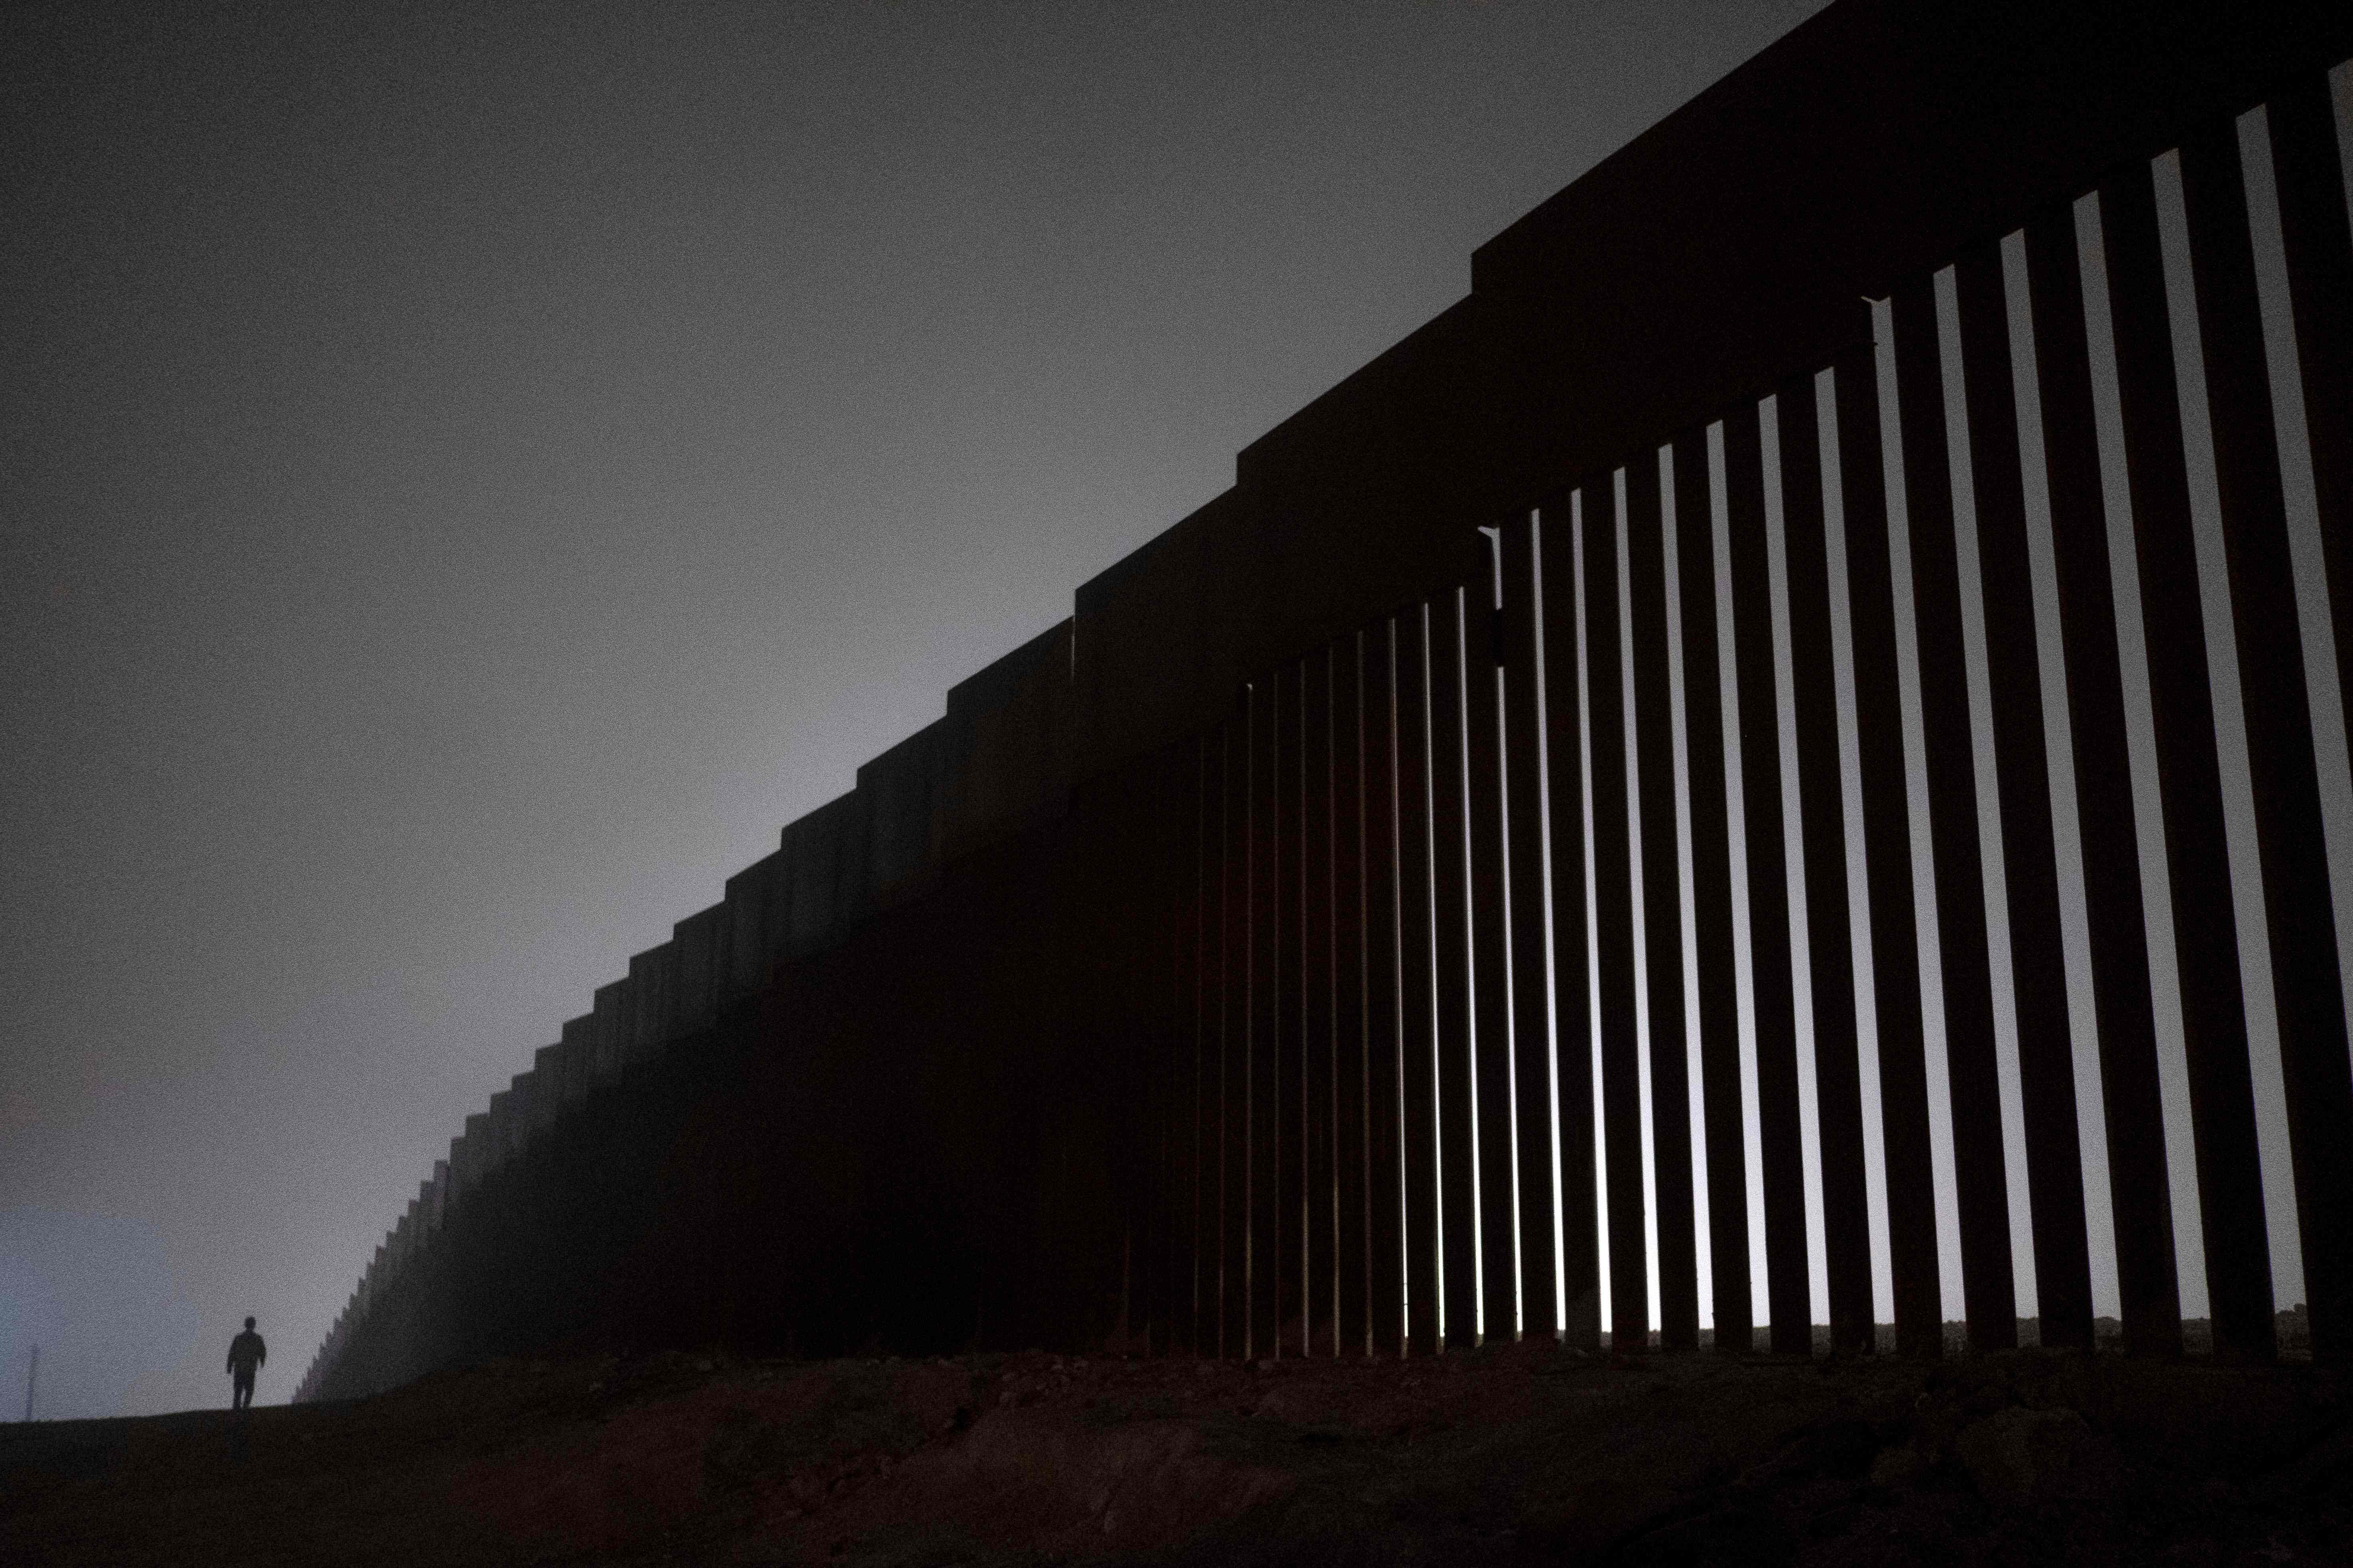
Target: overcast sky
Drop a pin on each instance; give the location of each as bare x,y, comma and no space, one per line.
473,474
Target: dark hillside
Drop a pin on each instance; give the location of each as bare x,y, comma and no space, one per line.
1514,1457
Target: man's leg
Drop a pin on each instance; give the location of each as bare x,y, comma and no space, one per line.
243,1395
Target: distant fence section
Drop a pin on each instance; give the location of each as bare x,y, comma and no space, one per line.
1713,751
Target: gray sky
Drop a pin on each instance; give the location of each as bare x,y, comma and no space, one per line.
470,475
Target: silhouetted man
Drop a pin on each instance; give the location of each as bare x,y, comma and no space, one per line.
246,1354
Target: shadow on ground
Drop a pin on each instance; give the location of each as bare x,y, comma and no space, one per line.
1514,1456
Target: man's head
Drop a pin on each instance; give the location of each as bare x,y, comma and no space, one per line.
249,1323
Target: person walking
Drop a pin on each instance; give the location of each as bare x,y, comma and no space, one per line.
246,1354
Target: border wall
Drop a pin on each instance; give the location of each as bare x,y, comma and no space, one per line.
1220,972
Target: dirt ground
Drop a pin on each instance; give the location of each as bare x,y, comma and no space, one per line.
1510,1456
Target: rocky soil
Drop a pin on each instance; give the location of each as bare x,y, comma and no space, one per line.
1513,1456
